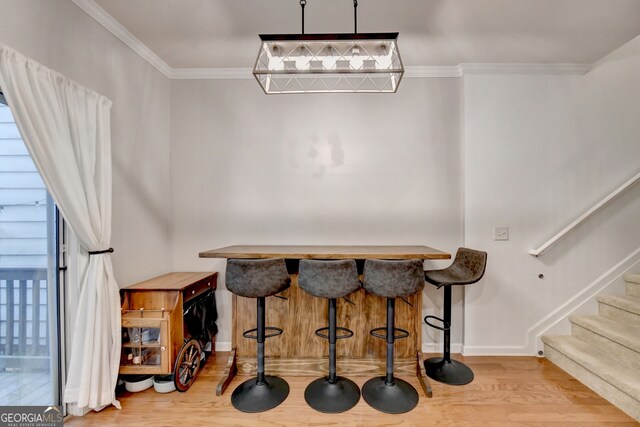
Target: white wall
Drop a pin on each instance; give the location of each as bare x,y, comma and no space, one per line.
539,151
320,169
61,36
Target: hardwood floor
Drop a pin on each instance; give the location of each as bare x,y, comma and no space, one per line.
514,391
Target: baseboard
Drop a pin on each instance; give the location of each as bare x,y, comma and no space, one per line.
488,350
478,350
437,348
608,278
223,346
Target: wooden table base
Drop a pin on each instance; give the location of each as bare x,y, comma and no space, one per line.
317,367
299,352
230,371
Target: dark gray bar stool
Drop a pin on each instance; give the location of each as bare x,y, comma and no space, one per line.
258,278
332,280
468,267
391,280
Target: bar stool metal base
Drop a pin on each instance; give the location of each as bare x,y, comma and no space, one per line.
448,372
329,398
253,397
398,398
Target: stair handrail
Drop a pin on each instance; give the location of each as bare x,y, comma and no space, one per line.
615,193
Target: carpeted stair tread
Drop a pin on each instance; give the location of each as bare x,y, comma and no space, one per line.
632,285
619,375
626,303
632,278
620,333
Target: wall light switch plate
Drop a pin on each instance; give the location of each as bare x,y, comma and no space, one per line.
501,233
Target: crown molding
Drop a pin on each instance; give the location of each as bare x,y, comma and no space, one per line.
211,73
92,9
516,68
111,24
432,71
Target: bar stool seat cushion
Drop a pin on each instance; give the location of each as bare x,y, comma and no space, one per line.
393,279
328,279
468,267
254,278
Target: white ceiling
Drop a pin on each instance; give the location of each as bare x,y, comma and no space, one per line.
224,33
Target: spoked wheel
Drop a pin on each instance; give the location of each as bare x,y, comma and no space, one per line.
187,365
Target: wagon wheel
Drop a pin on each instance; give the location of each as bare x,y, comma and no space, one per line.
187,365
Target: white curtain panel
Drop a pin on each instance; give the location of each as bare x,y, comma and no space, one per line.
66,129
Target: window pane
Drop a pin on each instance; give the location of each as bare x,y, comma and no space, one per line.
26,268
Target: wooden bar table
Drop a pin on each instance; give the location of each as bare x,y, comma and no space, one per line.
298,351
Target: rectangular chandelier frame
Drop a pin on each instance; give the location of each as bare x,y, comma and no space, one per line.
329,63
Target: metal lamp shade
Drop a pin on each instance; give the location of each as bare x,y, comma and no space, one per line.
329,63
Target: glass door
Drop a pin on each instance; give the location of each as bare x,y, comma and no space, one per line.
29,345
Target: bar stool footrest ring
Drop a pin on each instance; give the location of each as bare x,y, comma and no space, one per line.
348,333
252,333
398,333
445,325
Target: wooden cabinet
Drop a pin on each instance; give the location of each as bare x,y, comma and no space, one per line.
153,325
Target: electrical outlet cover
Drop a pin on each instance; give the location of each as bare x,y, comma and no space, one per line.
501,233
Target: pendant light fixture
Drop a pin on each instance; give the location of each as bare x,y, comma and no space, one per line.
329,63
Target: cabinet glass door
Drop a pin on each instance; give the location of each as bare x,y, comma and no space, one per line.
141,346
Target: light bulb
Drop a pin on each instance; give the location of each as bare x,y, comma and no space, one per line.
275,57
356,60
302,62
383,59
304,51
329,51
329,60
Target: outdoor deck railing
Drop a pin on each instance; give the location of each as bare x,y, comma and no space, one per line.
24,320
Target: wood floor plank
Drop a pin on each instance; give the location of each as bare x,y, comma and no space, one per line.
513,391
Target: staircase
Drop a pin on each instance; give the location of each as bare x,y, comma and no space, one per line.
603,351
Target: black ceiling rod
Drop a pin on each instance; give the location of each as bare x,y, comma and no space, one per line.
303,3
355,16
